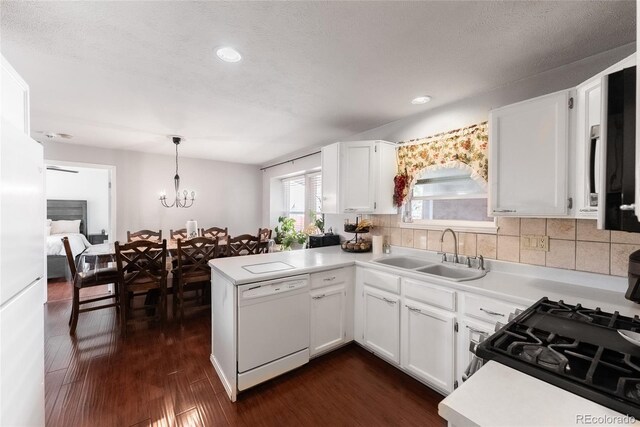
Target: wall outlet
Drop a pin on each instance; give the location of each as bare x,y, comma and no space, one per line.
534,242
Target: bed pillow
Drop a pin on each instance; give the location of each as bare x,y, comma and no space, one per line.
64,226
49,221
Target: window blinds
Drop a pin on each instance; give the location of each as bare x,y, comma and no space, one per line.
302,194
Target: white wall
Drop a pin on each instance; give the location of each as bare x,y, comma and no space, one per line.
455,115
91,185
227,194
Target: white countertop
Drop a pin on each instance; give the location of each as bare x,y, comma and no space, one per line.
519,283
498,395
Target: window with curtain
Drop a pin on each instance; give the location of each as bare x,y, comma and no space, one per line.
302,195
448,196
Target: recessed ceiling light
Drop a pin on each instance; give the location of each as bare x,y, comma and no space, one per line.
421,100
228,54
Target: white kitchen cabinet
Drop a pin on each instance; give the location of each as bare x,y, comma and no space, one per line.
528,157
358,170
15,98
381,323
357,177
469,329
428,344
328,318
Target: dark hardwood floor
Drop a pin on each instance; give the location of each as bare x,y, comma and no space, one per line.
164,378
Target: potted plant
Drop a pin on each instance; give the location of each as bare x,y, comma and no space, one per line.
287,236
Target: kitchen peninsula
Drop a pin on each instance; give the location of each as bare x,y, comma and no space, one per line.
282,309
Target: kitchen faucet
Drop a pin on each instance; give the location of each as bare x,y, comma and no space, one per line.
455,243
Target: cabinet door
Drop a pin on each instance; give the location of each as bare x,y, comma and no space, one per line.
428,344
15,98
382,323
468,330
528,149
328,318
357,176
330,158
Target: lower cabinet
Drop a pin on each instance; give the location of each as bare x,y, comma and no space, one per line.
328,318
428,344
381,323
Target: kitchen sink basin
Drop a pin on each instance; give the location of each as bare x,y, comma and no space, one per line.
404,262
457,274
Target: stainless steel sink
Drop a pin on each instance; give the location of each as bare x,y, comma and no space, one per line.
457,274
404,262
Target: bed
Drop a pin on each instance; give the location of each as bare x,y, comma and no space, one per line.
65,210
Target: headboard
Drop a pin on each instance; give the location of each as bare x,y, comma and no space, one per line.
68,210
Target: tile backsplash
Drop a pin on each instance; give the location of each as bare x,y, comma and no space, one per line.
573,244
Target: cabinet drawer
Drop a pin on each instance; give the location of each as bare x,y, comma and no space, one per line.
384,281
329,277
487,309
429,294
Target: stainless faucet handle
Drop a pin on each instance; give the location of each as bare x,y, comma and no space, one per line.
480,262
444,256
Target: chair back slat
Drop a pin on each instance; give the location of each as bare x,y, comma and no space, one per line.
194,255
245,244
69,254
178,234
215,232
154,236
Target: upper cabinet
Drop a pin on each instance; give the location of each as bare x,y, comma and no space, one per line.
545,154
15,97
357,177
528,152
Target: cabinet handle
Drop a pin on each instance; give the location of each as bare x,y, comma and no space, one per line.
630,207
349,209
417,310
589,210
493,313
477,331
329,279
389,300
504,210
319,296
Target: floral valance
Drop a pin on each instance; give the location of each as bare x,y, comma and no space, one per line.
467,145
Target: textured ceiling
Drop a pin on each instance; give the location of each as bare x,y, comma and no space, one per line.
126,74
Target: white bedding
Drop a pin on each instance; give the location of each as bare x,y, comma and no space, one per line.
77,241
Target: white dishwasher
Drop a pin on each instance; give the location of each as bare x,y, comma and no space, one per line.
273,328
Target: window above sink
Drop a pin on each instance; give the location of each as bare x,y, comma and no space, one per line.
448,196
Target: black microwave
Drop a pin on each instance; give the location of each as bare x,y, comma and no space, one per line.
618,137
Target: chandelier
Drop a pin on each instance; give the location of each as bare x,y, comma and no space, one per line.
182,200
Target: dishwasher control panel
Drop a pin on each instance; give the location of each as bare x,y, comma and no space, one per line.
258,291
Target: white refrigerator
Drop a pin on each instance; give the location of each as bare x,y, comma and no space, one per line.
22,281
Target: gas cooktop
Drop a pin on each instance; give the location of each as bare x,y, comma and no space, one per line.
575,348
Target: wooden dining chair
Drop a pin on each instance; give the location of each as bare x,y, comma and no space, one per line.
141,269
154,236
178,234
215,232
264,234
245,244
192,271
95,277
